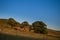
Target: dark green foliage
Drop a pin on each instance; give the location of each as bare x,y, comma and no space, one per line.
24,24
17,24
40,30
39,27
38,24
12,22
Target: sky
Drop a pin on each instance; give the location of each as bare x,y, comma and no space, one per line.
47,11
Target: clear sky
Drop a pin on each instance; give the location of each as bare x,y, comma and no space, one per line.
47,11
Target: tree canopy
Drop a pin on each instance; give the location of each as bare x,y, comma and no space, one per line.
24,24
12,22
39,26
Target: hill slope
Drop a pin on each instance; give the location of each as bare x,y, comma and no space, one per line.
52,34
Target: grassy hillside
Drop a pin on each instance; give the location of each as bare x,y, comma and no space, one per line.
52,35
7,33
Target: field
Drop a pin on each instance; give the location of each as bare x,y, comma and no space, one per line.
11,34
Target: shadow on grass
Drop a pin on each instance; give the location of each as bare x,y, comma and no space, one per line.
11,37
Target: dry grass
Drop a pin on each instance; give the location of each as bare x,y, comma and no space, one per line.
53,35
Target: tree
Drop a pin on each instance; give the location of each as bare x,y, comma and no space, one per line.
39,27
24,24
17,24
11,22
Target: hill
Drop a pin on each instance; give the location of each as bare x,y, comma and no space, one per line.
5,32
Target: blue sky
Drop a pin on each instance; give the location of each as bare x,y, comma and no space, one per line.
47,11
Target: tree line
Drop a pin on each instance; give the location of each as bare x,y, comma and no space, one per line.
37,26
